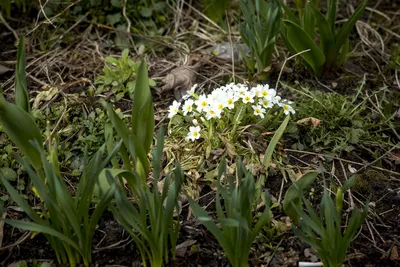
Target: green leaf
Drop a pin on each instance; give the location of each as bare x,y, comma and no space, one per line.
344,52
349,183
21,88
146,12
21,129
300,41
229,222
142,110
104,184
309,21
327,39
331,15
113,19
116,3
20,201
274,141
288,13
40,228
344,31
294,193
8,173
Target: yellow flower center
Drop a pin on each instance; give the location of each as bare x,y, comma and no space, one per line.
230,101
204,104
265,93
195,134
220,106
189,108
286,107
247,98
212,112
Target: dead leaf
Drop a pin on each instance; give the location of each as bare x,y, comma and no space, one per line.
180,80
396,157
299,174
351,168
2,228
4,69
182,248
394,254
267,69
311,255
45,96
306,121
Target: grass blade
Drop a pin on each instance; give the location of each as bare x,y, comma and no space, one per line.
274,141
21,129
21,88
300,41
344,31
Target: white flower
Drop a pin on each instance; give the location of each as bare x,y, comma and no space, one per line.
257,90
286,108
201,103
266,103
195,122
188,106
259,110
194,133
190,92
248,97
173,109
213,112
230,102
219,106
240,89
268,93
276,99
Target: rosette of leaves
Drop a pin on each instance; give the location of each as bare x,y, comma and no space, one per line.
119,76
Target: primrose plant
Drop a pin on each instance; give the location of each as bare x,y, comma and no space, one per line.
236,224
323,230
300,35
221,113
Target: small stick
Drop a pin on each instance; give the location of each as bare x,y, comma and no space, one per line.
231,42
345,160
284,63
8,26
128,28
348,190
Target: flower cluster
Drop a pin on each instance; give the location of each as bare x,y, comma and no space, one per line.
261,98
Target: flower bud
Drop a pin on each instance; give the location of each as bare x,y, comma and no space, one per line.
339,200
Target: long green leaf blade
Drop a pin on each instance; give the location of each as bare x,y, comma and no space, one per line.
21,129
21,88
274,141
301,41
142,110
344,31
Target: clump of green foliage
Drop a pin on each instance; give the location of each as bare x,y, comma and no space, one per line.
152,225
6,5
259,31
65,221
119,76
323,230
237,225
300,35
346,122
215,10
151,221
